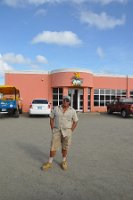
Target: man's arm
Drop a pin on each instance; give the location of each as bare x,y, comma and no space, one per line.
51,123
74,124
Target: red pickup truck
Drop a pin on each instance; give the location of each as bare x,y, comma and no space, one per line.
124,106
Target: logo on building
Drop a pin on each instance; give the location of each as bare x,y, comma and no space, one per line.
76,80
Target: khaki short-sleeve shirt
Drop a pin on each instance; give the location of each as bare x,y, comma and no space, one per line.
63,120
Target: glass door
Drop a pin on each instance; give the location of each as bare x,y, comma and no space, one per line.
76,98
80,99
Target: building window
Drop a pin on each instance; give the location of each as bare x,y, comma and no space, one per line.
131,93
104,96
89,91
57,96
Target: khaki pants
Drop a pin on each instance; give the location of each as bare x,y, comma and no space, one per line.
58,140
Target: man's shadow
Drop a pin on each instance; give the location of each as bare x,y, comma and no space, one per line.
33,151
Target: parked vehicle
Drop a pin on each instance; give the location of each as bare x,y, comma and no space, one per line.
123,106
10,101
39,107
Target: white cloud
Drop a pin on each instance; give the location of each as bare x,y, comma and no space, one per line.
15,58
60,38
41,59
41,12
104,2
12,3
19,59
4,67
100,52
101,21
15,3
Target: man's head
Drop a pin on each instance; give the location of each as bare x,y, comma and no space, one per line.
66,98
66,101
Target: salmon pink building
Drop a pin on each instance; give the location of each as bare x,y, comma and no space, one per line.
89,92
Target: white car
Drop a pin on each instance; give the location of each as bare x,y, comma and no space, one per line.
39,107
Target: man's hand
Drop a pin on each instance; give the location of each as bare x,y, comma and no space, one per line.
74,126
51,123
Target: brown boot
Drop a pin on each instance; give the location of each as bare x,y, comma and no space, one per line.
64,165
46,166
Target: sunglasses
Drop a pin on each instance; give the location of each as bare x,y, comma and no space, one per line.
66,100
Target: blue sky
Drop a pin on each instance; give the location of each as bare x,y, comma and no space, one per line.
51,34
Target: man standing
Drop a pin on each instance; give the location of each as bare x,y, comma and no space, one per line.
63,120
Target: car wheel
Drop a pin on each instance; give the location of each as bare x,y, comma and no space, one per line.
20,111
124,113
109,111
16,113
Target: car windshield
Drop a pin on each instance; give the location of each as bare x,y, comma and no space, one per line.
126,100
40,101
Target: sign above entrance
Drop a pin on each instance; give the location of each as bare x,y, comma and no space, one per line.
76,80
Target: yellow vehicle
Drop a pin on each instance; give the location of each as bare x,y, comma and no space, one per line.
10,101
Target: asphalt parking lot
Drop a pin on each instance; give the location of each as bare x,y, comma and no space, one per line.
100,160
